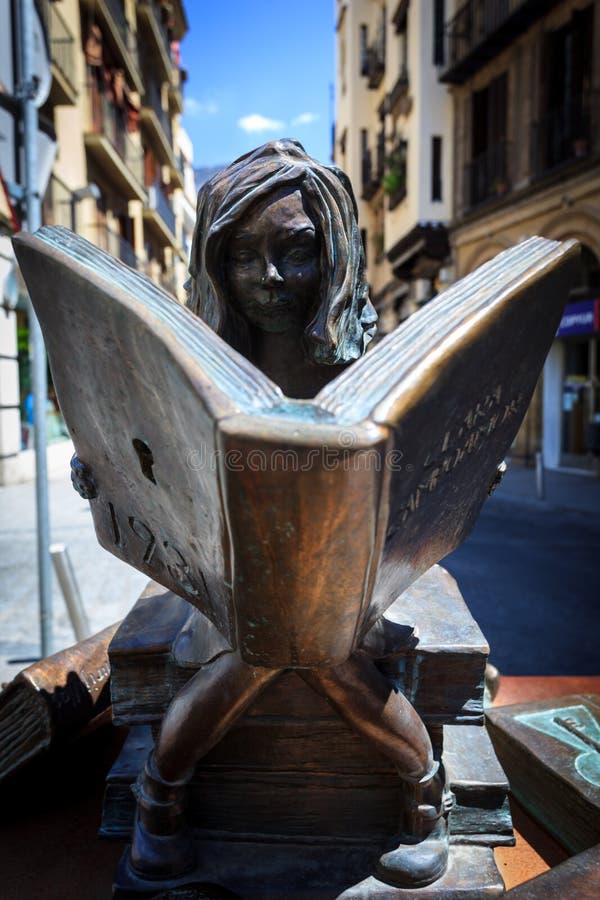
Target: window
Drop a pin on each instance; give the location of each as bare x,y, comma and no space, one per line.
363,237
487,171
436,168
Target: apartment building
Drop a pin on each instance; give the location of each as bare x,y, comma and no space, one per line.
119,174
525,85
393,137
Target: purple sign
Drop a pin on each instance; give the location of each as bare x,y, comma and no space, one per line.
580,318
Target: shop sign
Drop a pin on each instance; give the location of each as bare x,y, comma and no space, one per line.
580,318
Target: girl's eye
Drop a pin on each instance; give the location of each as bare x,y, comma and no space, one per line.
300,255
243,257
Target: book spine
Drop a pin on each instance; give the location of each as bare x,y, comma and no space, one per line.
304,521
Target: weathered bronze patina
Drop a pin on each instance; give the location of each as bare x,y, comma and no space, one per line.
325,489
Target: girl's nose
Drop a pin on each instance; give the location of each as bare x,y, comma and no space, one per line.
271,276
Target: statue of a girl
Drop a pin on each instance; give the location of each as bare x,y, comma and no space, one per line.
277,270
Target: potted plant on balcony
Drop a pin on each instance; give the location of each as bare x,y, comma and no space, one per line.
394,180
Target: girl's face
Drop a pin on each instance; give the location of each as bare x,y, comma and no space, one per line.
273,264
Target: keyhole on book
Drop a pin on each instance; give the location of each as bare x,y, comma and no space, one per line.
144,454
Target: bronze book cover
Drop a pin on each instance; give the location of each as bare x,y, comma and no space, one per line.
550,752
193,449
54,699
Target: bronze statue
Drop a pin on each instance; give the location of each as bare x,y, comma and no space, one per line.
294,569
278,270
277,266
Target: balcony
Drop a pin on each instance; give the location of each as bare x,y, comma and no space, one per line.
370,180
157,123
110,15
394,180
63,91
486,176
168,283
117,246
176,90
58,204
374,62
178,171
159,215
397,101
156,36
563,136
115,153
483,28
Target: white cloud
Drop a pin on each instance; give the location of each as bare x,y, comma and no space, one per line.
306,118
256,122
194,107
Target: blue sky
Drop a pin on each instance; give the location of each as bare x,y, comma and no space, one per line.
258,70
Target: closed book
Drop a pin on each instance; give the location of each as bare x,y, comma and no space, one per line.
54,700
550,751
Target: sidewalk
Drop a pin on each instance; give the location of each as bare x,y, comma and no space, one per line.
108,587
562,490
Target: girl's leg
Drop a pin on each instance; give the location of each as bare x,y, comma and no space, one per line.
198,717
373,707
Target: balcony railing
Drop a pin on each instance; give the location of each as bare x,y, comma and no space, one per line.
394,180
400,89
117,246
152,98
109,121
168,283
482,28
380,155
374,63
158,201
57,206
62,43
486,176
563,135
154,10
117,11
370,181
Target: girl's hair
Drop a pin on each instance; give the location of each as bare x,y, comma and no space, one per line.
344,319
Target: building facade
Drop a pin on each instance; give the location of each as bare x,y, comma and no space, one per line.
393,137
525,85
118,177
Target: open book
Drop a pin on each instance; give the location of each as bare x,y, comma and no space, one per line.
291,524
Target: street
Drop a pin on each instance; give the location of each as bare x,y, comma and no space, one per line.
530,574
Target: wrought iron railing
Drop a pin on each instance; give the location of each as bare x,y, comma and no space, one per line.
474,22
564,134
400,88
116,245
117,11
375,58
62,43
57,205
152,98
380,155
158,13
168,282
110,121
487,175
158,201
394,180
